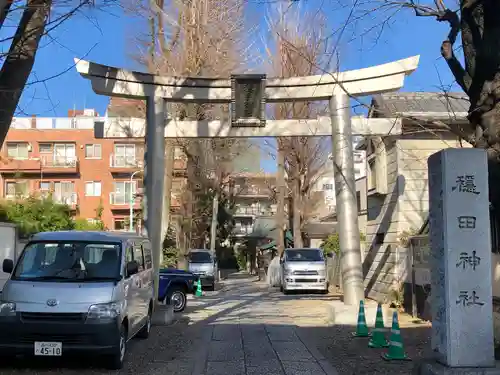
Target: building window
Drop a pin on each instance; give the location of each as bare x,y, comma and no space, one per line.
17,150
45,148
93,189
44,188
358,200
125,155
119,224
372,173
93,151
327,186
16,189
123,192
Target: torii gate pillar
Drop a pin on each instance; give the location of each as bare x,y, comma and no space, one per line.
345,194
337,88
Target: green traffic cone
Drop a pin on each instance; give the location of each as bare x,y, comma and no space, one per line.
378,336
396,351
361,328
199,292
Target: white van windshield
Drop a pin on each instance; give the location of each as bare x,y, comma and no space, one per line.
200,257
69,261
304,255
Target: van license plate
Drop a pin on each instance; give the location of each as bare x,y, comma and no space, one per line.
51,349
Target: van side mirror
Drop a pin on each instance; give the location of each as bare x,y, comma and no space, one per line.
8,265
132,268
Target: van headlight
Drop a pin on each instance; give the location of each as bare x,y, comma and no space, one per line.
322,273
105,311
287,271
7,309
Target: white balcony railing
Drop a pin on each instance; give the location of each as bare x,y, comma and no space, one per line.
255,211
121,199
70,199
54,161
116,161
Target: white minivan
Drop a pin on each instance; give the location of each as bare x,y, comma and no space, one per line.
77,292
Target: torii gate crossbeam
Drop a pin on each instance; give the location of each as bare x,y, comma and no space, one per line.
335,87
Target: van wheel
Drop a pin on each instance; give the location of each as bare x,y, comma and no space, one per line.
178,298
146,330
117,359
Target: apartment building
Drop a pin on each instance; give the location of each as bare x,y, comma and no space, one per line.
253,198
61,157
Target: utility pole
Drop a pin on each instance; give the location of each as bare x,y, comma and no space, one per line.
280,201
345,192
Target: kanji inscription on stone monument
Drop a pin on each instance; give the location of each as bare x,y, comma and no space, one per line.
461,262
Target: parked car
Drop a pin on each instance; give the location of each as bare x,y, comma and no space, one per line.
175,285
303,269
203,263
77,292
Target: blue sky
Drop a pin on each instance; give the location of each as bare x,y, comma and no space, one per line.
104,37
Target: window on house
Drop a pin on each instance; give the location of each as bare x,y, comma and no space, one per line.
93,151
93,189
123,191
16,189
64,192
327,186
125,155
18,150
64,154
44,188
372,182
358,200
119,224
45,148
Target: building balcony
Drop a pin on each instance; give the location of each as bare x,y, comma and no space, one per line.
120,201
58,164
254,211
252,191
124,164
242,231
28,165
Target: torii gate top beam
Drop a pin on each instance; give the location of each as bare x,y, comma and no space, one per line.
112,81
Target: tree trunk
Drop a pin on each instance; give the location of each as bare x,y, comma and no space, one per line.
167,190
16,68
280,209
297,234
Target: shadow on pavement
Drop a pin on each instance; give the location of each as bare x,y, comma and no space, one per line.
226,344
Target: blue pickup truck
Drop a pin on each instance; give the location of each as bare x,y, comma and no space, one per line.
175,285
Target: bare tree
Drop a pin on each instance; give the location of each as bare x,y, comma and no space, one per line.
300,42
196,38
39,18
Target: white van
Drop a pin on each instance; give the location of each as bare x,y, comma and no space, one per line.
77,292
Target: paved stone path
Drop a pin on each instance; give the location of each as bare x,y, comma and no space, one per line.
249,330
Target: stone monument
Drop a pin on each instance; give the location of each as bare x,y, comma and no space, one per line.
460,242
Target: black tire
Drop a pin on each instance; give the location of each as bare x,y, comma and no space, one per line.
116,360
178,298
146,330
281,288
286,292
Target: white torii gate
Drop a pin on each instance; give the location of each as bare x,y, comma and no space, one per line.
335,87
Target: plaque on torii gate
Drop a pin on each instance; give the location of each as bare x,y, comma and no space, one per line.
251,122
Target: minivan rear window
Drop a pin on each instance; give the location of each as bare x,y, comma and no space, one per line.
69,261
